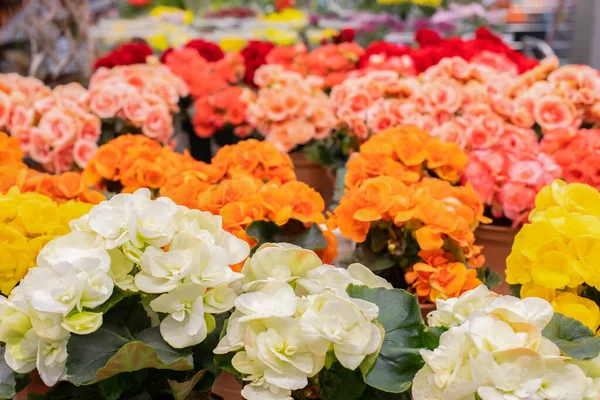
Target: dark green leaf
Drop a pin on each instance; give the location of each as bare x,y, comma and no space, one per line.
113,388
8,384
68,391
488,277
399,359
181,390
374,261
339,383
203,352
112,350
572,337
430,337
515,290
379,240
114,299
293,232
22,381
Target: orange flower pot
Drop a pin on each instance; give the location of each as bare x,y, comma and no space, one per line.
35,387
314,175
497,243
227,387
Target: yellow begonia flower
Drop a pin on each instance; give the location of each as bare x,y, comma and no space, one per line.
281,37
287,15
186,16
28,221
533,290
158,42
392,1
579,308
232,43
428,3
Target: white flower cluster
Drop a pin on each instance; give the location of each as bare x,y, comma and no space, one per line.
292,312
495,349
122,242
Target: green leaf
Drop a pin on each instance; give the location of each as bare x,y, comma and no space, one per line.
339,383
515,290
112,350
488,277
379,240
8,384
181,390
398,360
374,261
293,232
572,337
113,388
430,337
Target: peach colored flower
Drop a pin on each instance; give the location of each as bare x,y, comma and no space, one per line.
105,103
158,124
83,151
553,112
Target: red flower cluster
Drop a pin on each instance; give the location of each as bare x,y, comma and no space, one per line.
255,55
434,48
210,51
134,52
345,36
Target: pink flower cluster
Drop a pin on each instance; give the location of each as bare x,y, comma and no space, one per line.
145,96
17,95
508,181
290,110
58,130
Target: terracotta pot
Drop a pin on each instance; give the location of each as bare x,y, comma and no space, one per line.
35,387
314,175
497,243
227,387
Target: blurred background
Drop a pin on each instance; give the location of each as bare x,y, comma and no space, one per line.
59,40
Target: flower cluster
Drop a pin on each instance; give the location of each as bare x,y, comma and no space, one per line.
130,162
27,222
332,62
218,99
290,110
144,96
577,153
490,338
17,95
281,328
255,56
60,188
555,256
129,53
178,257
406,154
394,207
11,163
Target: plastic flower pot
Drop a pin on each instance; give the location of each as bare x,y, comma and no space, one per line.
314,175
497,243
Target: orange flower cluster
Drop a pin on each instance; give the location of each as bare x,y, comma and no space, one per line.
440,276
134,161
401,182
244,199
60,188
407,154
249,158
10,161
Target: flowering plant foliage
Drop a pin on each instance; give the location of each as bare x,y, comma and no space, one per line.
285,345
89,286
564,227
489,337
411,225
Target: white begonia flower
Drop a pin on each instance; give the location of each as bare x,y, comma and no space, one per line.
98,285
14,322
48,325
333,321
265,392
366,277
211,267
257,388
56,290
21,357
110,220
120,269
163,271
70,247
233,340
328,277
529,310
219,299
153,223
83,323
276,299
278,262
52,361
453,312
288,360
185,325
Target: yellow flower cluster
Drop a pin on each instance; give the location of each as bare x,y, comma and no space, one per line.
27,222
557,255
